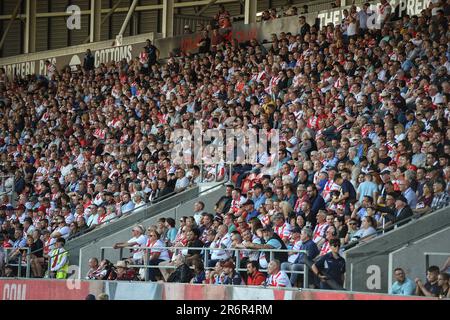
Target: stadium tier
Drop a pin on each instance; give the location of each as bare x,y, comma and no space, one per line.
308,149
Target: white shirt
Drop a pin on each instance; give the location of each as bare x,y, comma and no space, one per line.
141,241
181,183
296,246
224,242
279,280
164,254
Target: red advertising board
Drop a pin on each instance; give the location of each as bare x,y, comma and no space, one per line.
43,290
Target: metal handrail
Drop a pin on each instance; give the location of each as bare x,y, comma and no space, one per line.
428,254
206,259
19,261
382,230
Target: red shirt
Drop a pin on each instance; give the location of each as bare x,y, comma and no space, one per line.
256,279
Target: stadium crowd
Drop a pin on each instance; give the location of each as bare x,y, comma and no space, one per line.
363,116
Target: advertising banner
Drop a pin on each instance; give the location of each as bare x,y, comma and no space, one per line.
50,289
104,55
45,290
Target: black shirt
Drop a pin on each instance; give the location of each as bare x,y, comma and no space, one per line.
331,267
194,244
206,46
151,50
433,288
348,187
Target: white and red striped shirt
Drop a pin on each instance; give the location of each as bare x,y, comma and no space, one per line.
329,186
325,248
279,280
283,231
319,231
100,134
143,57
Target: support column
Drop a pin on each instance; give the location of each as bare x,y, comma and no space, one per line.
250,11
96,21
30,27
167,18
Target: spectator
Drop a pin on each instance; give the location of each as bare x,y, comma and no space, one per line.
194,242
187,29
199,272
88,61
155,256
330,268
204,44
431,286
93,267
444,285
254,276
272,241
221,241
367,188
441,197
366,231
123,272
105,271
153,53
230,276
138,240
277,278
402,285
297,261
171,231
182,273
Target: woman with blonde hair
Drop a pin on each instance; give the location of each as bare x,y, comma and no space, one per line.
286,209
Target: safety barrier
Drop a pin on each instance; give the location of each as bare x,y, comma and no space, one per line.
44,289
20,255
429,254
176,250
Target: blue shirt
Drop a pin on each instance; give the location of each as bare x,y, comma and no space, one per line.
172,234
19,243
411,196
274,243
251,215
259,201
407,288
311,251
367,188
127,207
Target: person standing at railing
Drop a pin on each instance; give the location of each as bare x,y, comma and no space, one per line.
138,240
59,260
330,268
88,61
